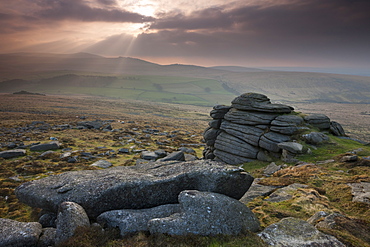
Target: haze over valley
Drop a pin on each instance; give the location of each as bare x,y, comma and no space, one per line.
132,78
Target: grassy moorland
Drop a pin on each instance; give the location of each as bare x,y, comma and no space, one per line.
177,125
131,78
167,89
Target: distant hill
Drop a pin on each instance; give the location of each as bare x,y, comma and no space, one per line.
237,69
84,73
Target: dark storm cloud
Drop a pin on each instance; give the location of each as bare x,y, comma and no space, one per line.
211,18
309,30
328,17
107,2
5,17
78,10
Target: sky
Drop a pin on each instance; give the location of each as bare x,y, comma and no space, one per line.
252,33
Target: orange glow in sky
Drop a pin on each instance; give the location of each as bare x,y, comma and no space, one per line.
208,32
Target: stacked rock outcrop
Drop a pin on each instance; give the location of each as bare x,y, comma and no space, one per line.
252,129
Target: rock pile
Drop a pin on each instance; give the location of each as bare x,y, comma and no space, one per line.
253,128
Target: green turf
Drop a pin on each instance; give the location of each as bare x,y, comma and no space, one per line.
168,89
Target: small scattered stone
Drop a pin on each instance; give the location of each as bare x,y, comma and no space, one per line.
149,155
46,146
102,164
293,147
315,138
12,153
72,159
123,151
349,158
271,169
179,156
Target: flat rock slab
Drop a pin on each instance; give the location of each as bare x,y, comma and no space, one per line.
45,146
12,153
293,232
258,102
250,118
19,234
136,187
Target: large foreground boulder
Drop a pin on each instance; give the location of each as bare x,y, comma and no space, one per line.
206,213
19,234
136,187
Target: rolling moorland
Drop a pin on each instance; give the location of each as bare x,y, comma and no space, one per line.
132,78
175,100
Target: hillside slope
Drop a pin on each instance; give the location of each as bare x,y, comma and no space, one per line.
35,68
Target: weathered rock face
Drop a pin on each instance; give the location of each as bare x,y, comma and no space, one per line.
252,129
206,213
135,220
70,216
292,232
19,234
258,102
360,192
318,120
315,138
136,187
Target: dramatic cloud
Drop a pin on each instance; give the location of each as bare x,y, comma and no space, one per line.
251,33
107,2
78,10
